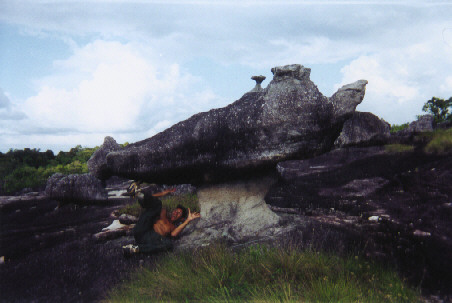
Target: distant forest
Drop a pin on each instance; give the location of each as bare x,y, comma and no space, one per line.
30,168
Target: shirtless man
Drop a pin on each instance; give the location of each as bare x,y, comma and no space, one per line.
165,226
155,228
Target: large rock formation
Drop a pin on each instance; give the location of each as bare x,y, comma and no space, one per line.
97,164
75,188
289,118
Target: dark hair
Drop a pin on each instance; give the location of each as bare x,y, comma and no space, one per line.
184,211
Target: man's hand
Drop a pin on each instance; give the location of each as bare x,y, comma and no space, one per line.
192,216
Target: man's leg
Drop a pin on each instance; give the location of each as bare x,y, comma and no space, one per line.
152,242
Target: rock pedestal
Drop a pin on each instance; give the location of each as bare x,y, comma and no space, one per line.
235,213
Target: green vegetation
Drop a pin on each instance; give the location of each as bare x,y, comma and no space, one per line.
440,142
398,148
439,108
262,274
133,209
30,167
169,202
396,127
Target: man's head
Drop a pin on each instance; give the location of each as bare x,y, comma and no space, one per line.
178,214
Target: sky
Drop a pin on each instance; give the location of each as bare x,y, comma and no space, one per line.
73,72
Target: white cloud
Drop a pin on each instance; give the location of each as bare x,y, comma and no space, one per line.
401,79
122,89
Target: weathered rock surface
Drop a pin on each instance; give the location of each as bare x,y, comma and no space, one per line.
289,118
363,129
347,98
331,161
422,124
97,164
395,207
75,188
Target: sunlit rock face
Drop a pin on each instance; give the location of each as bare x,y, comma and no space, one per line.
287,119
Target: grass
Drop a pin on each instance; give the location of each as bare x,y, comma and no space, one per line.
398,148
440,142
169,202
262,274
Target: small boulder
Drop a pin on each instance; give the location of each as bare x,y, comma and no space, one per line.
97,164
363,129
75,188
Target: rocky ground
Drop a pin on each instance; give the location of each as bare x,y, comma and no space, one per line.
51,254
394,208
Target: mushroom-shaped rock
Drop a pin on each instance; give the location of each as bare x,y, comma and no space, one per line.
258,79
289,118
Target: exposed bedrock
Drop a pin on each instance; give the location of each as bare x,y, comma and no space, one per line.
289,118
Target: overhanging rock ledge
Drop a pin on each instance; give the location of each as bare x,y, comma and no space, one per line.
288,119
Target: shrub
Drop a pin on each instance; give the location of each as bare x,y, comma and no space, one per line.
439,108
398,127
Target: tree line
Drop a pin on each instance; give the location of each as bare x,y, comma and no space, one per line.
30,168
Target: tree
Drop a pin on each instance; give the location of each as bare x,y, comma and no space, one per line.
439,108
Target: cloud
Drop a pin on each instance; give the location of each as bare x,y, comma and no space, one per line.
108,87
402,78
8,110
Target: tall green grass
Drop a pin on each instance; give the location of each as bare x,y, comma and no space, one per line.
262,274
441,142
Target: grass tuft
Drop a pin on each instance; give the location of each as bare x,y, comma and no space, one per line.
262,274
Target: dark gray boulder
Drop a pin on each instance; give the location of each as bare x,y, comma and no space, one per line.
424,123
289,118
75,188
97,164
363,129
